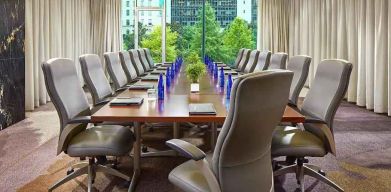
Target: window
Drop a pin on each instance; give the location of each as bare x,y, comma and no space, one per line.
127,12
127,3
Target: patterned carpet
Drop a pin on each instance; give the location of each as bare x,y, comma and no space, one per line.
363,161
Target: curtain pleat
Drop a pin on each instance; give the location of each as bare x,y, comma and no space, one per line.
355,30
66,28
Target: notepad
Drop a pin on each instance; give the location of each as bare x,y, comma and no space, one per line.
141,87
150,78
202,109
231,72
126,101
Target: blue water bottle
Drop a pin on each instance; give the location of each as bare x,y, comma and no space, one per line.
222,77
172,72
168,78
160,88
229,86
216,72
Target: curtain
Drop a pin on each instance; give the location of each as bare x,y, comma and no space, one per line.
65,28
272,31
355,30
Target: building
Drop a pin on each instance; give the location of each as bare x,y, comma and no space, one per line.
147,18
185,12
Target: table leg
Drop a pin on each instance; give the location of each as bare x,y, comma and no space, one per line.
176,130
136,157
213,135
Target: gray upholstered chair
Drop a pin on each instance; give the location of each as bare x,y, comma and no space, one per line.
232,168
75,140
135,58
128,66
263,61
95,78
315,139
150,59
244,60
252,62
116,72
278,61
238,58
144,61
300,66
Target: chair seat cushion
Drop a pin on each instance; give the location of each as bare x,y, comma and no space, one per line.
188,177
291,141
107,140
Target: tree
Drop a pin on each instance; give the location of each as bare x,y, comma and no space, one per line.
154,42
213,40
237,35
129,38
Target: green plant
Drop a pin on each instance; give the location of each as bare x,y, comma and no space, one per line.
195,70
192,58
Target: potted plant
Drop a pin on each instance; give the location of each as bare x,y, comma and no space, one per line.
194,70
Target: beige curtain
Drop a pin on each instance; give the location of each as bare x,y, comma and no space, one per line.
272,28
355,30
66,28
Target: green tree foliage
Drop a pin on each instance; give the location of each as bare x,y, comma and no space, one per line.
129,38
184,38
213,42
237,35
154,42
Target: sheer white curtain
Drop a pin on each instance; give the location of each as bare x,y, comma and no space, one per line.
272,31
66,28
355,30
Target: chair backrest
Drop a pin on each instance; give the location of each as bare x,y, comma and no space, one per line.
327,90
300,66
278,61
95,77
242,157
252,61
244,60
143,59
149,57
116,72
239,57
134,57
127,65
64,89
263,61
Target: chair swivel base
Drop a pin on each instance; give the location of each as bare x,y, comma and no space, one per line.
90,168
302,169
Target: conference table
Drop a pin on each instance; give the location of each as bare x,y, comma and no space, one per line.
175,109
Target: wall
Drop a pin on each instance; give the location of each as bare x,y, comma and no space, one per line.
11,62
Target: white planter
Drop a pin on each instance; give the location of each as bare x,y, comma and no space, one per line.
195,87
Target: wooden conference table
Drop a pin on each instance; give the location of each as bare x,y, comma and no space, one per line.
174,109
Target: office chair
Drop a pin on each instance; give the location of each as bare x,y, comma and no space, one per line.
238,58
70,101
143,60
316,138
232,168
263,61
150,59
134,57
244,60
128,67
116,72
300,66
252,62
95,79
278,61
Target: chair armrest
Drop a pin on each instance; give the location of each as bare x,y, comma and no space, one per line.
158,64
80,120
309,119
168,62
186,149
121,89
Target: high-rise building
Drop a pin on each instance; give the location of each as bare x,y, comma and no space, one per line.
147,18
185,12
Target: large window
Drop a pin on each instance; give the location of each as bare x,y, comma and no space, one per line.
230,25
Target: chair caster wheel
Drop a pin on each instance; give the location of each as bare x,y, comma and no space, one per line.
144,149
70,171
322,173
